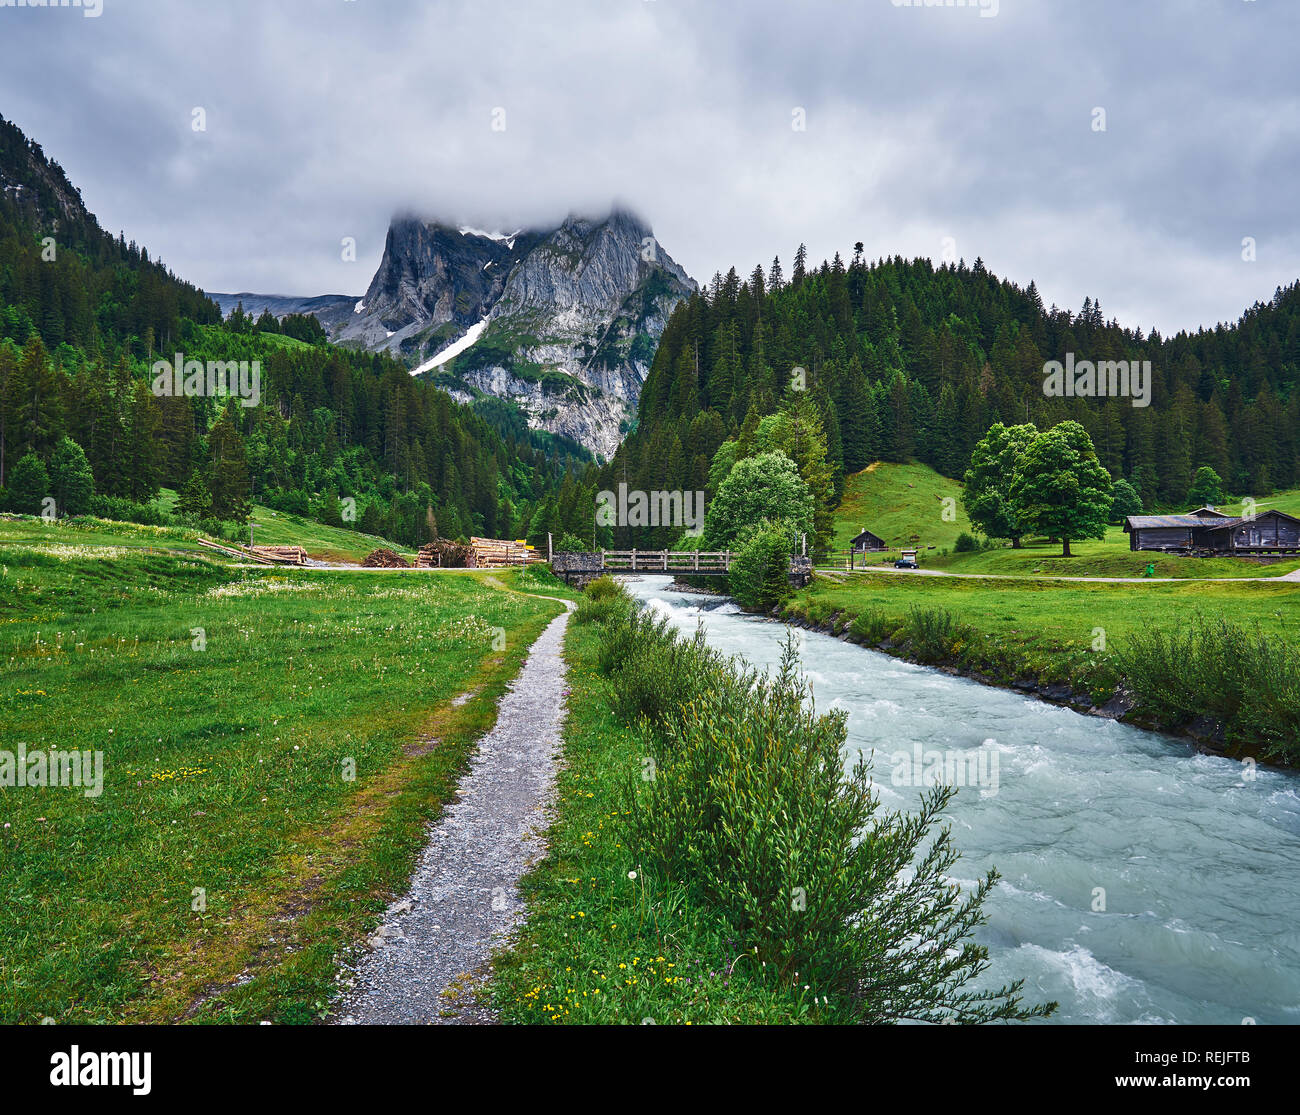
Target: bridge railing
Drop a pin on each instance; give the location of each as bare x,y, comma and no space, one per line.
667,561
660,561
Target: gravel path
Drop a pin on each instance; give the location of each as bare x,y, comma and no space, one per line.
1294,575
432,949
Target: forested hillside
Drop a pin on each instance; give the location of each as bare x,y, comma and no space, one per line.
905,360
83,317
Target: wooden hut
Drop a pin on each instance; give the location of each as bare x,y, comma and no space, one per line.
1206,530
1269,532
866,542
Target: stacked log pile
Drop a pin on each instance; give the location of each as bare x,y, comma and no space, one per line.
493,552
282,555
444,554
385,559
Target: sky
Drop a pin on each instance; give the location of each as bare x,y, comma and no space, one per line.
1130,152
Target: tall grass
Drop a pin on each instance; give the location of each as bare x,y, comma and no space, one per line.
1246,679
935,635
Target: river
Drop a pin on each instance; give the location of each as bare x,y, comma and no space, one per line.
1142,882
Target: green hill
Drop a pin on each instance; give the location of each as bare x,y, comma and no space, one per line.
906,505
270,528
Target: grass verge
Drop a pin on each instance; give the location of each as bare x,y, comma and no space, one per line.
1084,640
274,743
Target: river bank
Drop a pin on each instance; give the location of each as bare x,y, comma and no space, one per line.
1205,661
1205,734
701,871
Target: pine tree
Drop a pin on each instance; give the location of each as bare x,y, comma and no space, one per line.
228,478
29,485
71,481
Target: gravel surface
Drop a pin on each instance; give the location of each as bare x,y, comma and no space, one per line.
430,953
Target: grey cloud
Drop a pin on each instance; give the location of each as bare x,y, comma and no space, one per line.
326,116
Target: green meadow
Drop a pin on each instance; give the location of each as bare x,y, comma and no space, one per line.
324,543
274,743
1048,629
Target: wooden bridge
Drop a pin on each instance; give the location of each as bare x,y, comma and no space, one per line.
581,568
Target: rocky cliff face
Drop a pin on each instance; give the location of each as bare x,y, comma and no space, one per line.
561,323
433,283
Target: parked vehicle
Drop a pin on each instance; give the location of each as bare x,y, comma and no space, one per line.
906,560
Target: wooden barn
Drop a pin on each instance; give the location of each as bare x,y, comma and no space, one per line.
1206,530
867,543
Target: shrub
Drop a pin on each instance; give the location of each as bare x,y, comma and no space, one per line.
750,810
603,601
1247,680
935,634
603,588
29,485
760,569
871,626
966,544
571,544
70,478
123,510
651,672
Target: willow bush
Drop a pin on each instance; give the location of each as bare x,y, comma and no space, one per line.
1246,679
745,802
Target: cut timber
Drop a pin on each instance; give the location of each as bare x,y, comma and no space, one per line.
491,552
385,559
281,555
235,551
443,554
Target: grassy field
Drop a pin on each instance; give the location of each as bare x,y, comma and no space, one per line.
29,531
324,543
1012,622
1108,558
1049,629
270,528
906,506
274,743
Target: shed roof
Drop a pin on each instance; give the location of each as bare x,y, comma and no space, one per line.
1237,521
865,535
1155,522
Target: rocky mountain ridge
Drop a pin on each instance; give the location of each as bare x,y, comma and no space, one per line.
558,323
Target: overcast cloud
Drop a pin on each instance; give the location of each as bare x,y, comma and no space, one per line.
324,117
